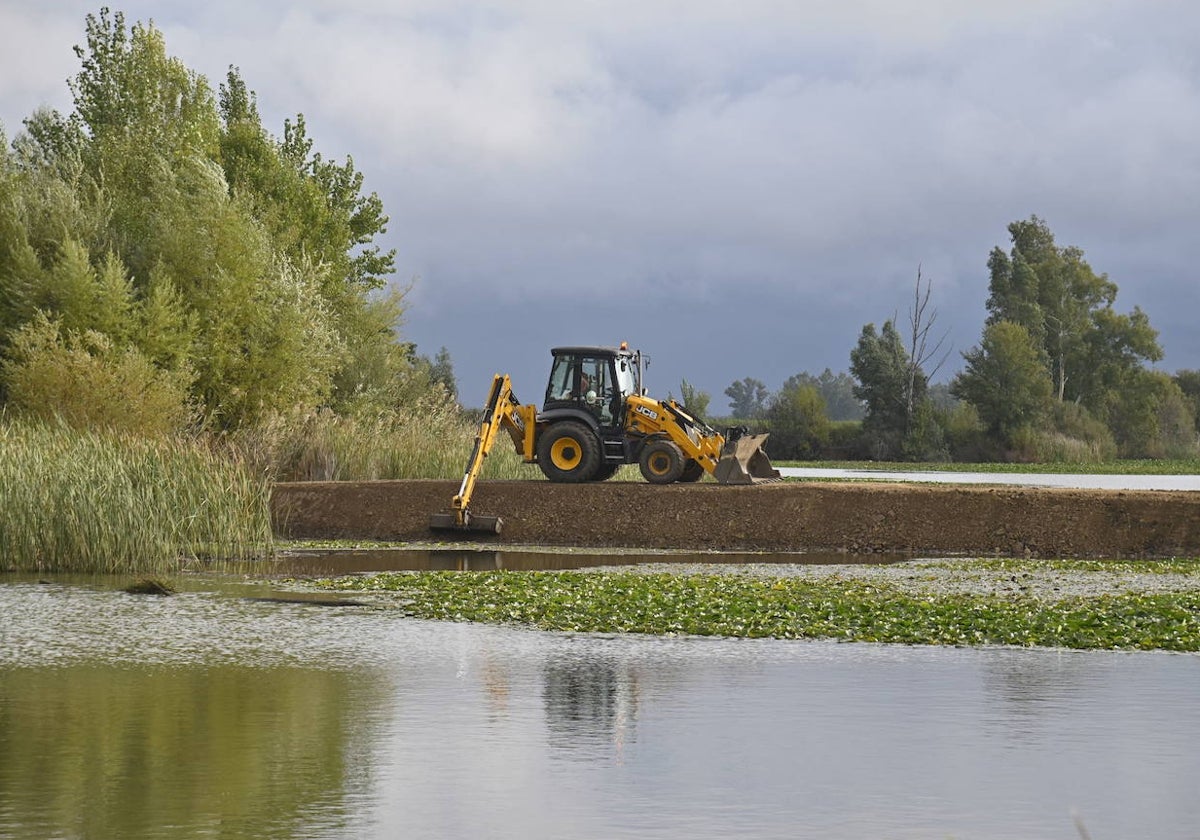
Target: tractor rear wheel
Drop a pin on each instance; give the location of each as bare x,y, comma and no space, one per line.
661,462
568,452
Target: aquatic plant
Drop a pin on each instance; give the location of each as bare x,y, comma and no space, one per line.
791,608
149,586
100,502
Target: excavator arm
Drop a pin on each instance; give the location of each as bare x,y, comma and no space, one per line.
503,411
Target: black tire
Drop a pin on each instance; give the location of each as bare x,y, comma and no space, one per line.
661,462
605,472
568,452
692,471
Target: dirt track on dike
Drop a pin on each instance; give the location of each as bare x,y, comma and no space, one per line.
853,517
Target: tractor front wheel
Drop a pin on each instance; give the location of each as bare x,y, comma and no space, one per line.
662,462
568,452
605,472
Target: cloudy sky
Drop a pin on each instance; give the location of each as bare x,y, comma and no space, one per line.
734,187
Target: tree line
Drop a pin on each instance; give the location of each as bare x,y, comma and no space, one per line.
167,263
1058,374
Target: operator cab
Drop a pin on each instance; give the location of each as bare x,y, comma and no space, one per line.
594,380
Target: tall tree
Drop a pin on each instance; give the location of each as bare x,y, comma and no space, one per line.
836,389
1005,379
166,220
747,398
881,364
695,401
1067,309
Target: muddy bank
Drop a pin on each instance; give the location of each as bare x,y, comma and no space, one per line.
850,517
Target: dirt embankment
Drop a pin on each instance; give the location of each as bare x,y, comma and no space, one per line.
851,517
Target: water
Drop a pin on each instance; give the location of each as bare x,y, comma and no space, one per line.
341,561
1076,481
208,715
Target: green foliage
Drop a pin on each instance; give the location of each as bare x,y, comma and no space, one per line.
925,440
964,434
694,402
175,226
845,440
1150,417
836,389
1066,308
1005,380
747,398
378,372
1189,384
429,439
1092,356
894,392
799,426
441,373
83,380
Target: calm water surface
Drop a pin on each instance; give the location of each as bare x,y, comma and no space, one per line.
1076,481
208,715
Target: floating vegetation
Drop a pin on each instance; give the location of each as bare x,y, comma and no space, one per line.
149,586
791,608
97,502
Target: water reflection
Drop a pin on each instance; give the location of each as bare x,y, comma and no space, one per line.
208,715
159,752
337,561
590,705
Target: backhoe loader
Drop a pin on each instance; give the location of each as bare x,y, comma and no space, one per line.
595,418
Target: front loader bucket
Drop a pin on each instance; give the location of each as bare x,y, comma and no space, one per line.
466,522
744,462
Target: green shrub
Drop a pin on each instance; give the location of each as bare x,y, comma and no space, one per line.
799,426
845,441
86,382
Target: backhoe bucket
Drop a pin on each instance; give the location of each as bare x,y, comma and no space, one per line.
465,521
743,461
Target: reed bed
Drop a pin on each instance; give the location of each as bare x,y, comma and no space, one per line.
430,440
82,501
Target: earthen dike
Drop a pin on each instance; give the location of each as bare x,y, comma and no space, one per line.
852,517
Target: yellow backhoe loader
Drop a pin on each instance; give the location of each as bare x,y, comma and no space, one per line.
595,418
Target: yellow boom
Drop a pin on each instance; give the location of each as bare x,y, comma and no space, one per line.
503,411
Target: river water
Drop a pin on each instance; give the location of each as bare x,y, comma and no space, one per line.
208,714
1072,480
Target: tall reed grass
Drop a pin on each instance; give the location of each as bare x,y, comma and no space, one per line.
430,440
83,501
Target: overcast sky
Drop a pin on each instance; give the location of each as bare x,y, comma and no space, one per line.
735,187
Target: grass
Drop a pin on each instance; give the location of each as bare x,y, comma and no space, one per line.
1148,467
791,608
432,440
95,502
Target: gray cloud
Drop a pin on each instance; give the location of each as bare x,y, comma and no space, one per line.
605,167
